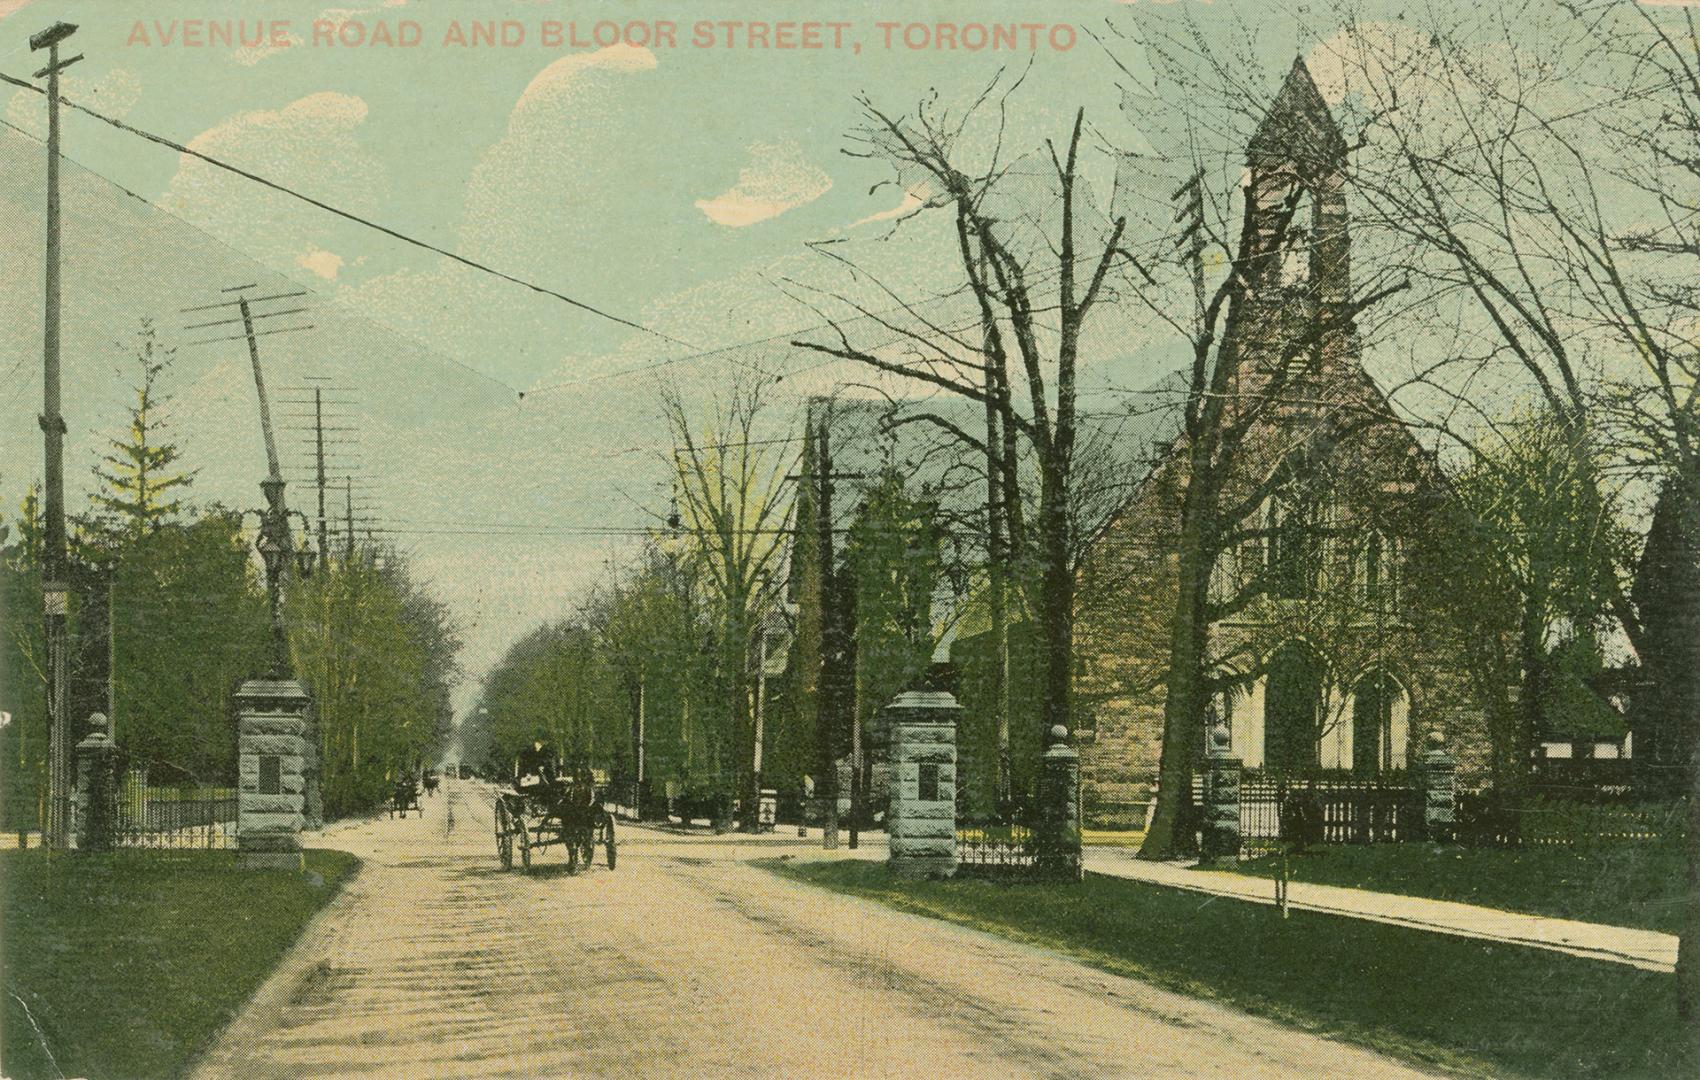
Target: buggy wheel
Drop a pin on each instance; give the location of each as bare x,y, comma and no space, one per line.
504,837
524,844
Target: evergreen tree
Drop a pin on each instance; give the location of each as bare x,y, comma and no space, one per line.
139,476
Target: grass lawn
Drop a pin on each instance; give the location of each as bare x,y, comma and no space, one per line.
1638,885
1116,838
1472,1007
131,962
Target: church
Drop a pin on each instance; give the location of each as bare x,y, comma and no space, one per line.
1321,644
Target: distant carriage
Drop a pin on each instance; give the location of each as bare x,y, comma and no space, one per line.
564,812
405,796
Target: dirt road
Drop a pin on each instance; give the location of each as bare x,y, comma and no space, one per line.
687,961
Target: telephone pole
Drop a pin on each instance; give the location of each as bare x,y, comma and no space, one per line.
319,439
53,587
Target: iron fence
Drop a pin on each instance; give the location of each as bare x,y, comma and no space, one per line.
174,817
996,851
1281,811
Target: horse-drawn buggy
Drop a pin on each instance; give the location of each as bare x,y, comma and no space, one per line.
405,796
431,783
553,812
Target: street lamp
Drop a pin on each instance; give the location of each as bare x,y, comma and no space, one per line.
275,546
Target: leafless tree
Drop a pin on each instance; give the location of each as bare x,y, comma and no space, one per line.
1019,358
735,510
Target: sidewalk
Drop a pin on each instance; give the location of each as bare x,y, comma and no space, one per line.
1645,949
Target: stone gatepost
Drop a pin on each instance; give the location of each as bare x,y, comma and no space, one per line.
97,788
313,809
1221,801
1058,837
271,773
1440,790
921,824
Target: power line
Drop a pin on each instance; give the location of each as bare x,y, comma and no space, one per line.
349,216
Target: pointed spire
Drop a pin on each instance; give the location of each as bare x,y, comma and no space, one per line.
1298,126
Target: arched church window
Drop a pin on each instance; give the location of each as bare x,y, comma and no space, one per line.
1294,550
1380,723
1292,709
1376,570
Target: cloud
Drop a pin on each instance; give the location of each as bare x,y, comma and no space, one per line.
778,178
312,143
321,262
249,55
913,199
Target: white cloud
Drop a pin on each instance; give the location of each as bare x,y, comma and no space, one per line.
249,55
913,199
778,178
324,263
313,144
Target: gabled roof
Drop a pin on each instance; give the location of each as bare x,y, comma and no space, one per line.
1298,126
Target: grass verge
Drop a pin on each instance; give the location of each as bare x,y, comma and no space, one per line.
1639,885
1470,1007
131,962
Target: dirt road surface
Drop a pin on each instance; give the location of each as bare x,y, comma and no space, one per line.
688,961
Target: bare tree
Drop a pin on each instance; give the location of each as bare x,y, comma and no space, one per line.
734,508
1014,360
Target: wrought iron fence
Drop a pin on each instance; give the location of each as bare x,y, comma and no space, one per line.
1279,811
174,817
996,851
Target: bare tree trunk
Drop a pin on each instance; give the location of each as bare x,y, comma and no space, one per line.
1186,696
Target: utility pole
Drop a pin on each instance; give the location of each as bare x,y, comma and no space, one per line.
319,440
276,544
53,588
348,517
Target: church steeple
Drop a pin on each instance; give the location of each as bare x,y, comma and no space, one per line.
1298,130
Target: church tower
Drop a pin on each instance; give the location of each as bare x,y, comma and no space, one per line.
1297,158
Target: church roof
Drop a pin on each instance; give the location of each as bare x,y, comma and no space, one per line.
1298,126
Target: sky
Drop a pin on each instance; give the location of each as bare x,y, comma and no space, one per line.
678,187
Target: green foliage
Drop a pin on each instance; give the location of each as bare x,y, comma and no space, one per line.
132,962
190,623
894,559
377,653
139,474
23,646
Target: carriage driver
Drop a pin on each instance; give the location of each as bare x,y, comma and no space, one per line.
535,760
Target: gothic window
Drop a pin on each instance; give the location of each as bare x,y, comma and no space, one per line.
1380,722
1292,709
1294,550
1376,571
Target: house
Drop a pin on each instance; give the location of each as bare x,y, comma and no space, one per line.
1324,651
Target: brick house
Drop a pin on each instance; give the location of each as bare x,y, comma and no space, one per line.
1324,652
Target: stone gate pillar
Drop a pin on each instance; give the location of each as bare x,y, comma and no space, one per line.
1058,838
1221,801
1440,790
271,773
97,787
921,824
313,808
